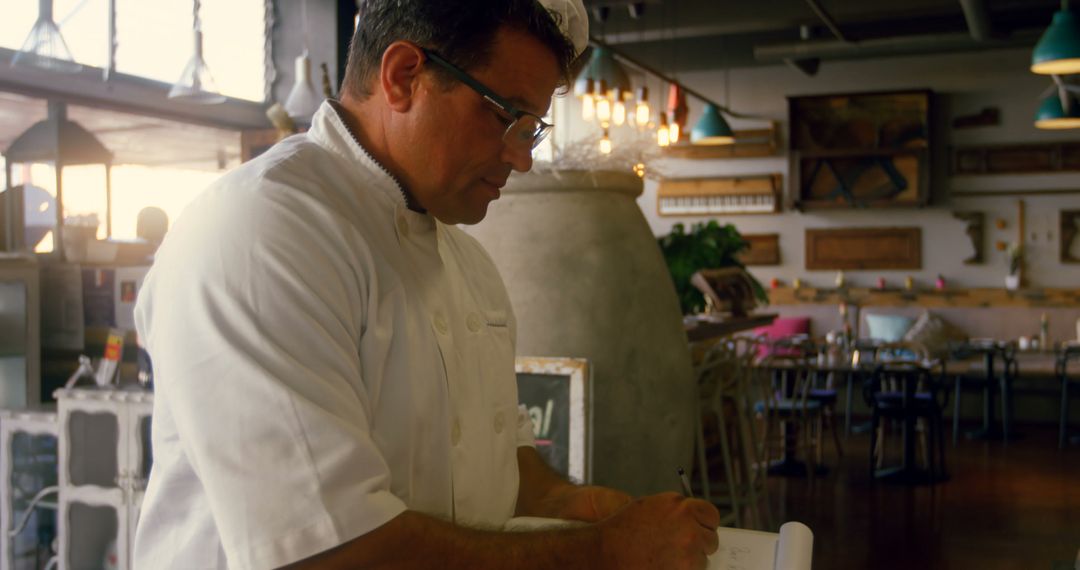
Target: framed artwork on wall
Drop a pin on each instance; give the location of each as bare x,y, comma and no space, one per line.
860,150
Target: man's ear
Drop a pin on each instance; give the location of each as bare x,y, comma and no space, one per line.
399,75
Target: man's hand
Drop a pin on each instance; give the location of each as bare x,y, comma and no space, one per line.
661,531
585,503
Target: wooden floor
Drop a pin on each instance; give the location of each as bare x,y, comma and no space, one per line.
1014,506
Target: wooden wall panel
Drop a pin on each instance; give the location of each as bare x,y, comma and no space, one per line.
764,249
864,248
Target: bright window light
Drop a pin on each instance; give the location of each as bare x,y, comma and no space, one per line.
154,37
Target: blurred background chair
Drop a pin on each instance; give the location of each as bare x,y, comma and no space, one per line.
909,392
791,421
725,421
1066,354
999,368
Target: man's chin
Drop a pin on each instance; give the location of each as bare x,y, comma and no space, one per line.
467,217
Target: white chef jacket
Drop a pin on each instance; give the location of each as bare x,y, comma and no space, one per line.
324,359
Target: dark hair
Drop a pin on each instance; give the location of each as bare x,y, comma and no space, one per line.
462,31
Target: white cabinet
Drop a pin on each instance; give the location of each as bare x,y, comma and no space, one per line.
104,463
28,459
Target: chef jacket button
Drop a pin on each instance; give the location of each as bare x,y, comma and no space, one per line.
498,422
473,322
455,433
440,323
403,225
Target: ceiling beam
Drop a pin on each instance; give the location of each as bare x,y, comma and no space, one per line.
126,93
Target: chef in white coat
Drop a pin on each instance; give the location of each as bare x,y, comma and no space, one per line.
334,359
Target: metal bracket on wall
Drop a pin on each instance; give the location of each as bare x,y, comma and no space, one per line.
975,225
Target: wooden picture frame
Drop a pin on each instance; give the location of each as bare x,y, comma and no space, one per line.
1070,221
557,392
1017,158
764,249
864,248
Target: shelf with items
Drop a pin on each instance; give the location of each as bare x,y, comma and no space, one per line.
860,150
749,143
952,297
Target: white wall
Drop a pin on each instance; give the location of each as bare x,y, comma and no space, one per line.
965,83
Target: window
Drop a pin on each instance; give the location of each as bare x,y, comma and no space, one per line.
154,37
155,40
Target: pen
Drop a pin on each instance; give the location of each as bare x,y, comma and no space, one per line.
685,482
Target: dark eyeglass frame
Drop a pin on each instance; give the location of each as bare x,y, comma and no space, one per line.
542,128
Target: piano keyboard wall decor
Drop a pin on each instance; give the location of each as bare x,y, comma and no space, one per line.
758,194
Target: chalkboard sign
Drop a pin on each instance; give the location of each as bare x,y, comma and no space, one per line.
556,391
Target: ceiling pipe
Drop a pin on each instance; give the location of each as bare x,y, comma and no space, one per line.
827,20
978,19
884,47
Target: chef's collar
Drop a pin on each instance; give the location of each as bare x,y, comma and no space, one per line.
331,130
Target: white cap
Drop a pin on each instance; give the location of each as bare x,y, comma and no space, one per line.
573,21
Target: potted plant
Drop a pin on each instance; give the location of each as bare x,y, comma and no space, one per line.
705,246
1016,264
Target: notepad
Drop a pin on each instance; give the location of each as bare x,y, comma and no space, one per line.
790,549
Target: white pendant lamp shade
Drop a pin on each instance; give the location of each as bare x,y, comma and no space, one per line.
45,47
196,84
303,99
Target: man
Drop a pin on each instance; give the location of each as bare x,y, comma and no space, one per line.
334,359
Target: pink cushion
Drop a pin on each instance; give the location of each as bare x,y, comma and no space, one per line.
781,329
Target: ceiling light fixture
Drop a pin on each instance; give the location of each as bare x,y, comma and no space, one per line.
711,128
303,99
45,47
1058,50
196,84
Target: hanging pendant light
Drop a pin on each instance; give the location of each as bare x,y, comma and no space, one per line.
1058,50
662,132
642,111
588,103
1058,111
605,143
45,47
303,99
602,67
196,84
603,104
712,128
618,109
677,112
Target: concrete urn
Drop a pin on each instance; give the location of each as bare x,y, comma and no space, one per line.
587,279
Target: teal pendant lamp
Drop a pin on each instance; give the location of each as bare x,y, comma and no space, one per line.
1058,50
711,128
1053,115
602,66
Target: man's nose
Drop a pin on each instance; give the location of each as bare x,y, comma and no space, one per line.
518,157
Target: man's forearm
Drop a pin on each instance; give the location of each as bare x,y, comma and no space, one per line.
413,540
538,485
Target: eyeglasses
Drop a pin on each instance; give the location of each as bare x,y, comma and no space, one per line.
525,131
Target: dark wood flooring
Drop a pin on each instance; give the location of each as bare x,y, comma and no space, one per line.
1005,506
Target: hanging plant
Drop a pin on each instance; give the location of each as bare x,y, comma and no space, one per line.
706,246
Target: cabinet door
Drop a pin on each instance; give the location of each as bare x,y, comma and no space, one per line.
139,459
28,466
93,512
